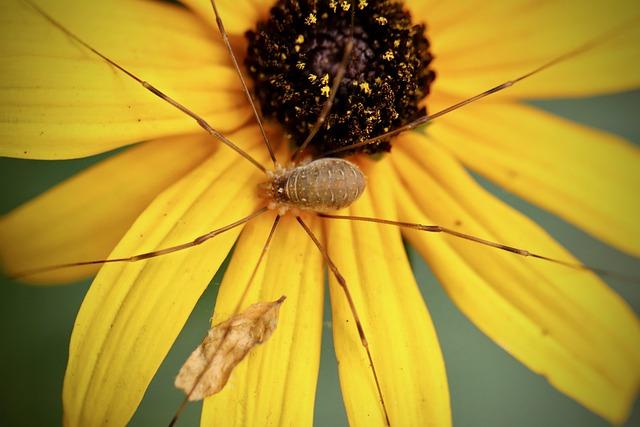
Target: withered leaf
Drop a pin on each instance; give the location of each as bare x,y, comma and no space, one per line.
208,368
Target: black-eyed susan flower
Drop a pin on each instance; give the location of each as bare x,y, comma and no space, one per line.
60,101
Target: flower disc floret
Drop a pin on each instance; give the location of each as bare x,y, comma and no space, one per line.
295,54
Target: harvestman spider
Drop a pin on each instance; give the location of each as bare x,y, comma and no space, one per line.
309,186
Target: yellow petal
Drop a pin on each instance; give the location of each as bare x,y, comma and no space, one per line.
84,217
401,336
133,311
480,44
586,176
566,325
275,385
61,101
238,16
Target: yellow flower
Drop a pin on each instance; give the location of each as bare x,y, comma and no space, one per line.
60,102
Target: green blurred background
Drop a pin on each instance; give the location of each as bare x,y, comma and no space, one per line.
488,387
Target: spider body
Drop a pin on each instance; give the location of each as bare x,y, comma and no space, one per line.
322,185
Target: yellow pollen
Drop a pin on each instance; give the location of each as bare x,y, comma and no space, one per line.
381,20
325,90
312,77
362,4
364,86
297,48
311,19
300,39
345,5
396,43
325,79
333,4
300,65
388,55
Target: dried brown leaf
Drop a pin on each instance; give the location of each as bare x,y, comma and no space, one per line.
208,368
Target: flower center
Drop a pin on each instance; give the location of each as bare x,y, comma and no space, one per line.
294,55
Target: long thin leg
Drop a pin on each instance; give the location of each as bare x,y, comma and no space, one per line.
343,284
265,248
195,242
201,122
428,118
514,250
326,108
227,43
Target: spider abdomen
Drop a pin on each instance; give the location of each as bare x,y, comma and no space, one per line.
321,185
